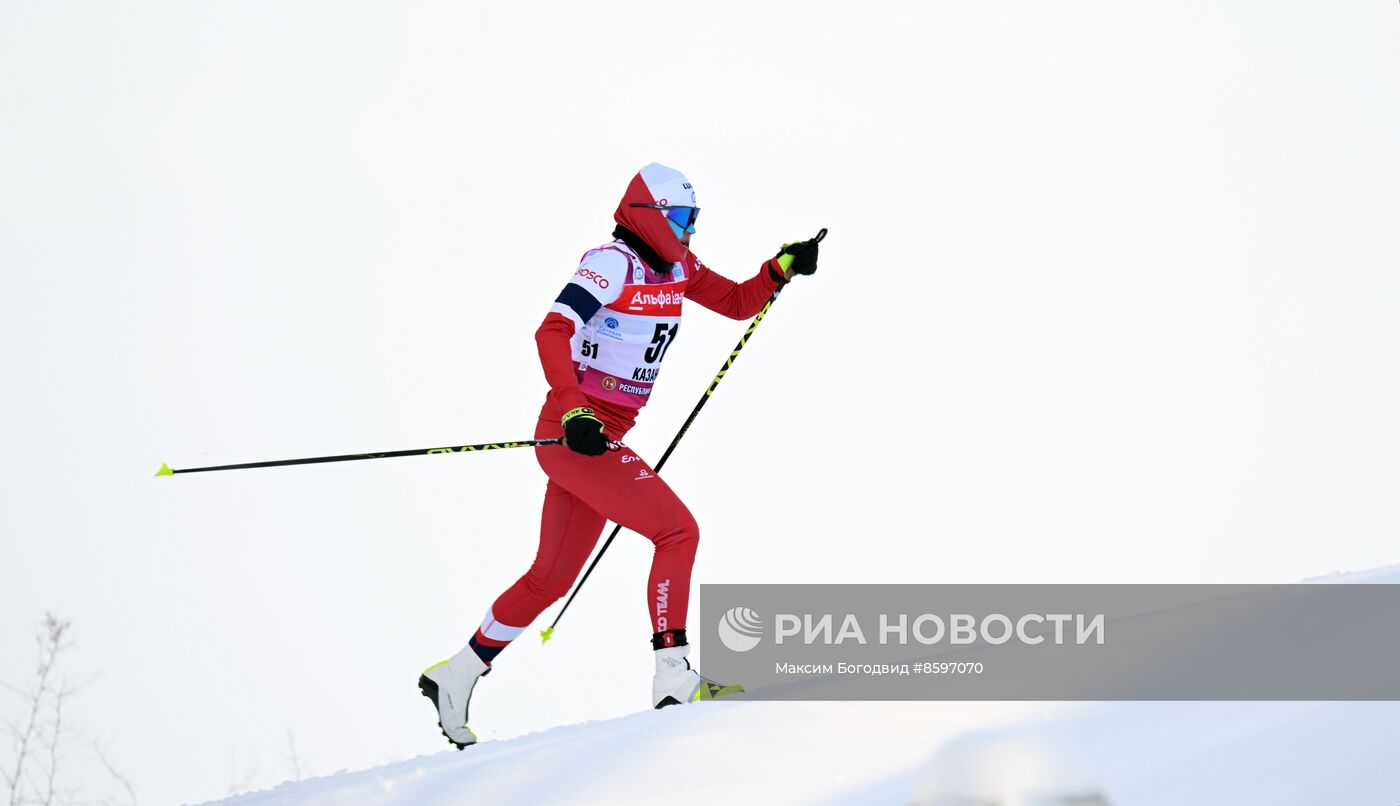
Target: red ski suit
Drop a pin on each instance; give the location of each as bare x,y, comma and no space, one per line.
585,491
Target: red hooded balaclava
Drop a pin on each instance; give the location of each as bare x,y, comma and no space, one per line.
656,184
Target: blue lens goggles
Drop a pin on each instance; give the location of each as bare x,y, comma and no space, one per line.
683,217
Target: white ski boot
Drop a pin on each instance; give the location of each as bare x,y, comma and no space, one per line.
449,685
676,683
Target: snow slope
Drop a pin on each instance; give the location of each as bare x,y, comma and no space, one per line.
774,752
1005,754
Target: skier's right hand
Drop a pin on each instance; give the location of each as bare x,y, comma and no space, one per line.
583,432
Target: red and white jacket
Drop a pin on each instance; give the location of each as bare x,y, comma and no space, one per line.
605,336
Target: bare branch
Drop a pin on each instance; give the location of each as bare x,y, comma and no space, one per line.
31,727
293,757
55,737
112,771
244,782
51,641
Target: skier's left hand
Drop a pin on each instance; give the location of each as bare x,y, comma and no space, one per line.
799,257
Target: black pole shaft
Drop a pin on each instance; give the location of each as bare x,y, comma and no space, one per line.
729,362
353,457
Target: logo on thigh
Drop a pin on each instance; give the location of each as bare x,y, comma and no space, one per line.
628,456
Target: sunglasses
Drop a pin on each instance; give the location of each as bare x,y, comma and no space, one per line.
683,217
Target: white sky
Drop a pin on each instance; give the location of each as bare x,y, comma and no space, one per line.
1110,294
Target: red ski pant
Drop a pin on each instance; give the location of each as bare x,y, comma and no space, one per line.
583,493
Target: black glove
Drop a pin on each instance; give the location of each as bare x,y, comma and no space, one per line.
804,256
583,432
796,258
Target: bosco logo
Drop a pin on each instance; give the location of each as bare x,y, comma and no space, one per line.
596,278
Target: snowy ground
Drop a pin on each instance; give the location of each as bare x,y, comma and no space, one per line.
993,754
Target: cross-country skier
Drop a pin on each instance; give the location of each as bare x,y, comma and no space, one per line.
601,345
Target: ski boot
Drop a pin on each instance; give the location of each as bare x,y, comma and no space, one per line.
676,683
449,685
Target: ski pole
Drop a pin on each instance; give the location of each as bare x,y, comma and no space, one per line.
548,632
167,470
